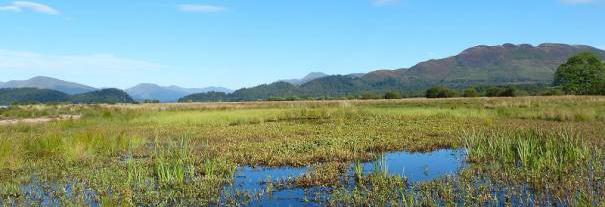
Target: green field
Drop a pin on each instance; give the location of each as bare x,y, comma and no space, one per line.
185,154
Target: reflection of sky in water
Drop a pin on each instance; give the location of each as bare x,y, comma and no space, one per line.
417,167
38,194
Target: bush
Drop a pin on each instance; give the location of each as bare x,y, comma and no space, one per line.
392,95
440,92
512,92
471,92
151,101
552,92
505,92
369,95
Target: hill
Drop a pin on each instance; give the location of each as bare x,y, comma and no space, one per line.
110,95
148,91
10,96
506,64
42,82
306,79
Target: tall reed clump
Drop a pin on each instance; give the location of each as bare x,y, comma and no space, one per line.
560,163
218,168
533,151
173,162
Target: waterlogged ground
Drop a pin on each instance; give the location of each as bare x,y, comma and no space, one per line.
273,186
538,151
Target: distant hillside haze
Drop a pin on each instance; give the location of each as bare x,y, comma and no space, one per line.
306,79
144,91
506,64
42,82
148,91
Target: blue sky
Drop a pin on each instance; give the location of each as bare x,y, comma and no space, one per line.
242,43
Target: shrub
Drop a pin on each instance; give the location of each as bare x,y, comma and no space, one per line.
392,95
440,92
369,95
471,92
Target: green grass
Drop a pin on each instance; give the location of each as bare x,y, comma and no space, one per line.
184,154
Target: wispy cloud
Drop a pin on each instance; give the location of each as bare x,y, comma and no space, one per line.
18,60
201,8
19,6
577,1
384,2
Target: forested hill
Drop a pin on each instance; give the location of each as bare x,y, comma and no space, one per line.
110,95
31,95
506,64
10,96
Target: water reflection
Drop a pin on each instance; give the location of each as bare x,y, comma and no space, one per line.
417,167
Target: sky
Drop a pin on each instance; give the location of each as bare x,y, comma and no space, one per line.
243,43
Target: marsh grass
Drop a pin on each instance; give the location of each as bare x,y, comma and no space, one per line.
185,154
173,162
560,163
537,151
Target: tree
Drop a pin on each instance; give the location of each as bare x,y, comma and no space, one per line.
471,92
392,95
440,92
582,74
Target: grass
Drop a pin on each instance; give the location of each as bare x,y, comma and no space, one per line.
185,154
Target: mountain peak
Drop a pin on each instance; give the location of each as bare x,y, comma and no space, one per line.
309,77
43,82
171,93
315,75
39,78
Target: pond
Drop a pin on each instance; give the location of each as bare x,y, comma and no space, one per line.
416,167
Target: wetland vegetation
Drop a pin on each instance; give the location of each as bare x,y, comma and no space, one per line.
501,151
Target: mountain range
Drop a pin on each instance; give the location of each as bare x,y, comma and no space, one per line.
506,64
139,92
148,91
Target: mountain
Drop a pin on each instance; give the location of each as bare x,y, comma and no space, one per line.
506,64
110,95
42,82
148,91
306,79
31,95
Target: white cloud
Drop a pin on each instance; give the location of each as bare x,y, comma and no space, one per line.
19,6
577,1
384,2
202,8
29,61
